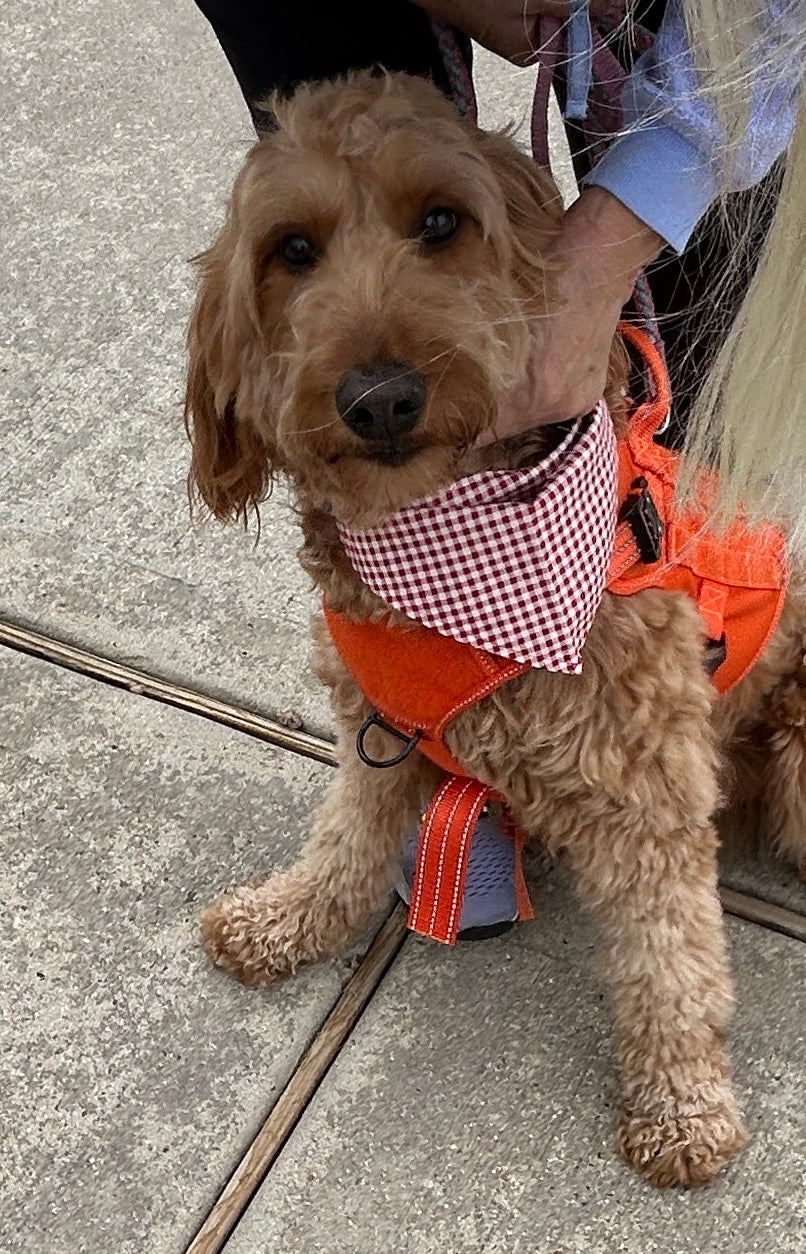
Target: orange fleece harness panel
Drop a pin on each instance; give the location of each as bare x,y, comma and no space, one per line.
419,681
738,578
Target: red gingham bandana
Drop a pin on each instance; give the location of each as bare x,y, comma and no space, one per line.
511,561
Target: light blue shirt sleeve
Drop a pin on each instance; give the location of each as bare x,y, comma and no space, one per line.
669,162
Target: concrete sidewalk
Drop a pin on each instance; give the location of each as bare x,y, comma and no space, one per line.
471,1108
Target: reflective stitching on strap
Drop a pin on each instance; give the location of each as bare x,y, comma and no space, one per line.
443,856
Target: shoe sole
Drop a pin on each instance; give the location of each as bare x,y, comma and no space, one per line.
485,931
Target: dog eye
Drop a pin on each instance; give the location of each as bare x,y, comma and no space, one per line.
438,227
298,252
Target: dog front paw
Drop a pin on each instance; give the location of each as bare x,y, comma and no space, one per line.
674,1147
261,933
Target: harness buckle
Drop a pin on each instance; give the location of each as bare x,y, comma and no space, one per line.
375,720
643,519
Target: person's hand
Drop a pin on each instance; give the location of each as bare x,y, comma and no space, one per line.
597,255
507,27
504,26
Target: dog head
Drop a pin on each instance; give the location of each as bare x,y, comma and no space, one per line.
367,304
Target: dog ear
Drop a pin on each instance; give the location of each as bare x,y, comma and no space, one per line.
535,211
232,464
533,202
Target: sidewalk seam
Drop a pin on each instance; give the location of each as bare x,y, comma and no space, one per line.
144,684
329,1039
293,1101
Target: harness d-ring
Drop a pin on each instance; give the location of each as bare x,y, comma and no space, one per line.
375,720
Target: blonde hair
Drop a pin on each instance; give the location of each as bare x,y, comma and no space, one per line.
749,418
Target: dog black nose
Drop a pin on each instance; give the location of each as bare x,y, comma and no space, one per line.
381,401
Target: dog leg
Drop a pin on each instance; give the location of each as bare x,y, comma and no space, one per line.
646,868
665,960
266,931
763,723
630,812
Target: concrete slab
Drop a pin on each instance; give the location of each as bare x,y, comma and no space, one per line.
134,1075
505,95
474,1109
122,129
759,872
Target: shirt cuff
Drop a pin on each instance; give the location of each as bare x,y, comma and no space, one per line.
662,177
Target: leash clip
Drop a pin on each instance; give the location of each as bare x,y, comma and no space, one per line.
644,521
375,720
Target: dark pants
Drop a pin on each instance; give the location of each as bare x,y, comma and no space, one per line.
273,45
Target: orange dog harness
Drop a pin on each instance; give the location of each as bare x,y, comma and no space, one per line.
418,681
738,578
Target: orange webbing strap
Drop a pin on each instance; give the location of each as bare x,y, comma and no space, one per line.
712,600
443,854
650,416
646,420
625,553
522,898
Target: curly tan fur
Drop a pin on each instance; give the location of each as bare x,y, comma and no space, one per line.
616,770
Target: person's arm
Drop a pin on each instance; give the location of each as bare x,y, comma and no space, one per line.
649,190
670,164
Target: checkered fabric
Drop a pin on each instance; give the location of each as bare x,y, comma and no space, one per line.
513,562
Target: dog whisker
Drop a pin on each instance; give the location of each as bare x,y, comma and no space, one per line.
303,431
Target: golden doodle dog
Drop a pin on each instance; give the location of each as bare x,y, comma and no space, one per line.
375,228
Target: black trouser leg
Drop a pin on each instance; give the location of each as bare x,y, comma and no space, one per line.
272,44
